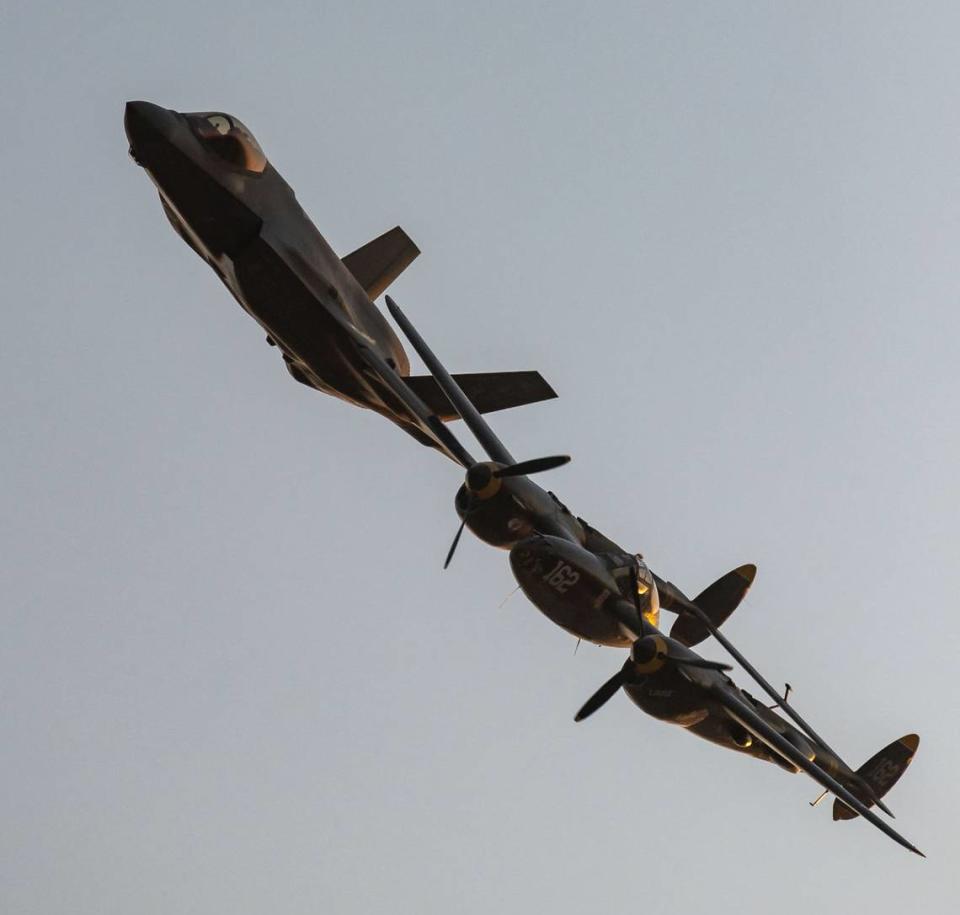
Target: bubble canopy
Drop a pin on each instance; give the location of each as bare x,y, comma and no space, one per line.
229,138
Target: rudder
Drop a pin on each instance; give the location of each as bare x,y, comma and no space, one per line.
881,772
718,601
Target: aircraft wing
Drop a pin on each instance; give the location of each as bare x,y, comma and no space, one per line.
461,403
265,272
430,422
746,716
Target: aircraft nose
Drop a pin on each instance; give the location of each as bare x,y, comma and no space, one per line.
144,122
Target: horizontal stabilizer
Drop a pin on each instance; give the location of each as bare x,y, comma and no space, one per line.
718,601
881,772
379,262
488,391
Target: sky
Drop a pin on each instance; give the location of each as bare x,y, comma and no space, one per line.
233,676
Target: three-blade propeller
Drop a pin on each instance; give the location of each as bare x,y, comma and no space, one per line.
481,476
647,656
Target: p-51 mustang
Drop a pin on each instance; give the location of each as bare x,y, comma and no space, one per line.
598,591
234,209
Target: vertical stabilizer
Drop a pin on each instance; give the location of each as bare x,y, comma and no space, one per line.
881,772
379,262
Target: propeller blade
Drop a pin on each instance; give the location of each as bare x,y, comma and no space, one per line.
536,465
701,662
456,540
601,696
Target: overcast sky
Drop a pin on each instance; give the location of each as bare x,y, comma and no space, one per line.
234,677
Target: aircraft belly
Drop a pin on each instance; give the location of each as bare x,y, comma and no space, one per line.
277,299
217,219
587,625
295,310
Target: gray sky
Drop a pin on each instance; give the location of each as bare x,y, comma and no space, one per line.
233,676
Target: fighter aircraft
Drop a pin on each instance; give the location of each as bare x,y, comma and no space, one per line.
229,204
598,591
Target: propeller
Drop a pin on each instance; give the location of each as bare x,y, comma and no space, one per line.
605,693
647,655
482,483
456,541
534,465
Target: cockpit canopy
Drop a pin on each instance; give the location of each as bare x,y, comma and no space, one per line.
227,136
648,598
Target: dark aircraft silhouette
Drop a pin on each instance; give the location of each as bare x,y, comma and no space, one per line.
598,591
227,202
231,206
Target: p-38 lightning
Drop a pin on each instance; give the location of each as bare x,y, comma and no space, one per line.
228,203
599,592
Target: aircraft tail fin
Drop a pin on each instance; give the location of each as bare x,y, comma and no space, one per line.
488,391
880,773
379,262
718,601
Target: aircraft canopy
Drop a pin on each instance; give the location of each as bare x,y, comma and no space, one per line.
648,598
227,136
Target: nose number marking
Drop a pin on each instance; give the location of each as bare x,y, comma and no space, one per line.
561,577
